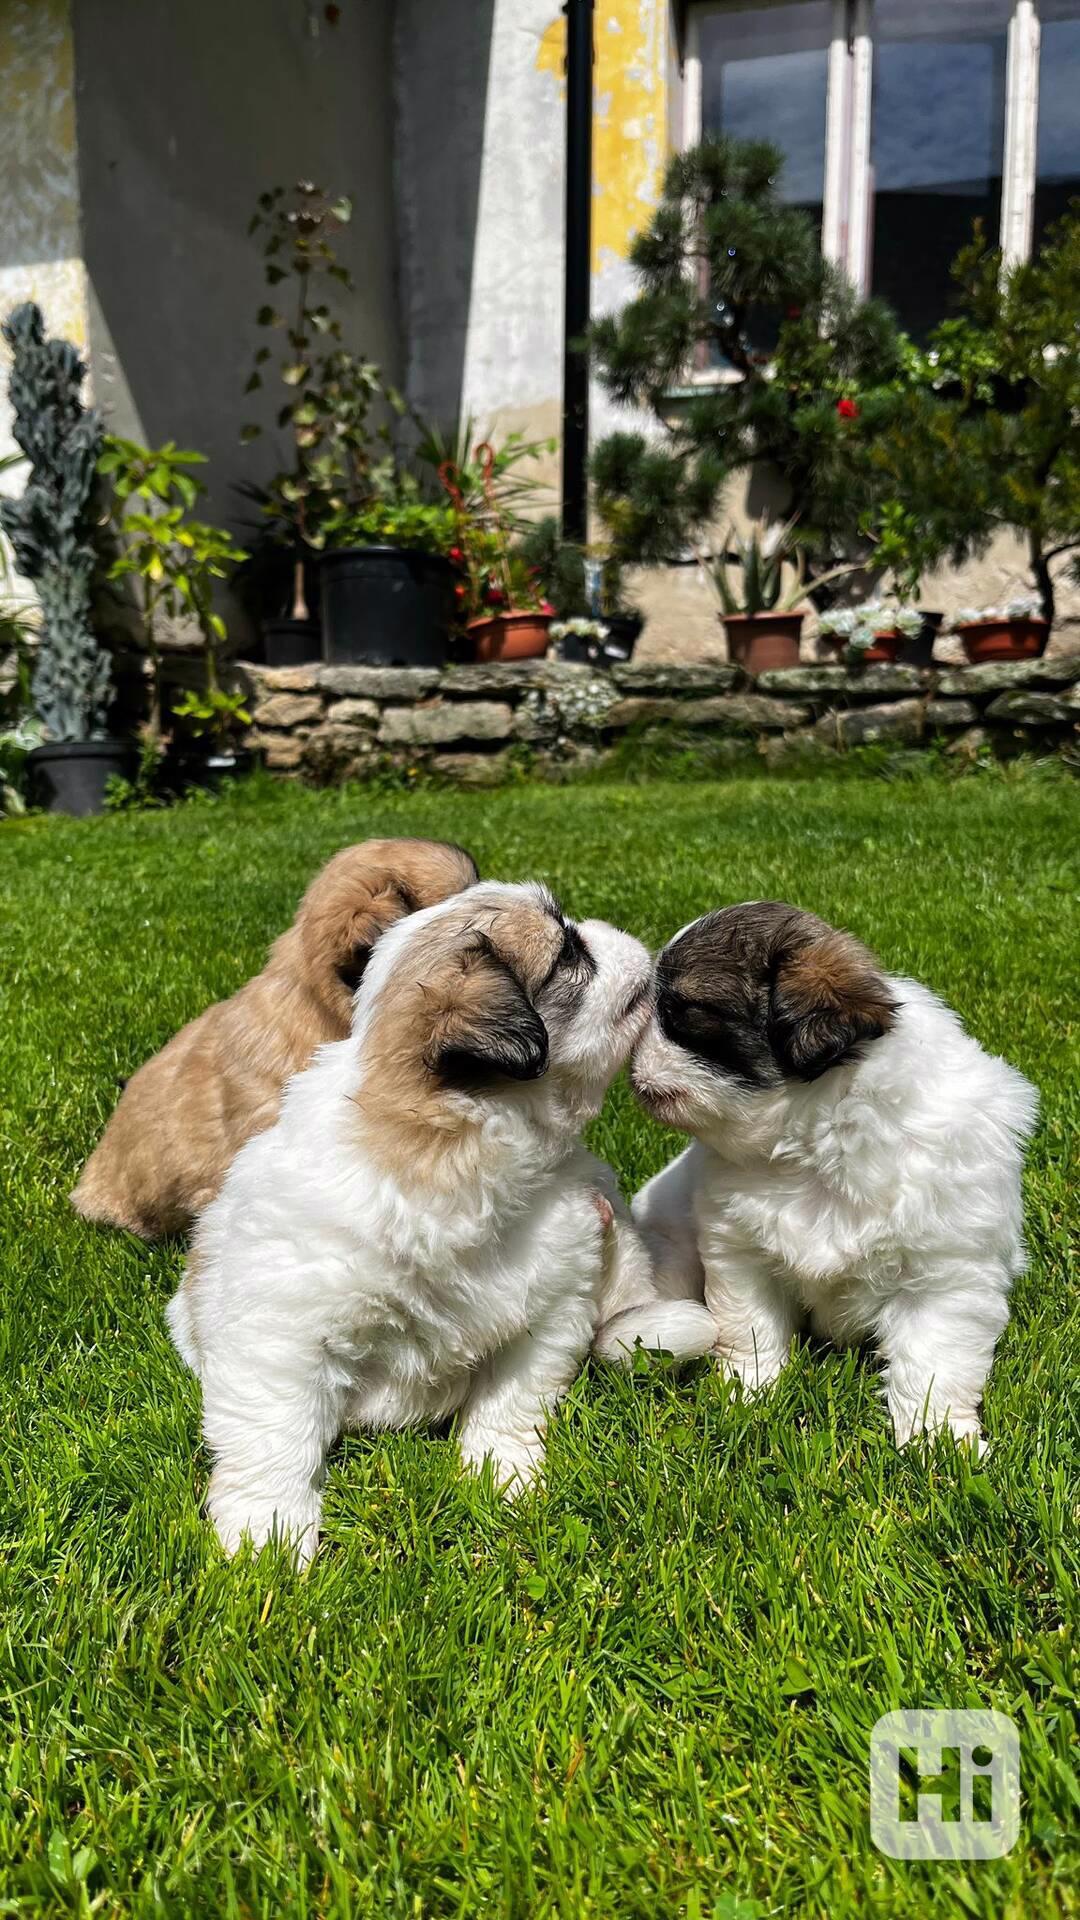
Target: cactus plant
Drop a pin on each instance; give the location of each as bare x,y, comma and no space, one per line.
51,528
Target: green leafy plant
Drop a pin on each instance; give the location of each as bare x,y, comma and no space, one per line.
405,521
175,560
581,582
217,712
495,572
339,457
52,527
139,794
989,435
484,473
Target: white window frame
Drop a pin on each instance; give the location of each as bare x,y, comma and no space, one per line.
846,192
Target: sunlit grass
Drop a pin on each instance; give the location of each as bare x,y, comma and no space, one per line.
648,1691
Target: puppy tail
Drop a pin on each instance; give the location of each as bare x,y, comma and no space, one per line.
683,1328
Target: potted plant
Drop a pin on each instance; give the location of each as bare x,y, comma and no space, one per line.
385,580
762,622
1015,631
175,562
326,394
871,635
581,641
213,715
498,593
384,585
52,533
989,436
584,584
20,732
507,616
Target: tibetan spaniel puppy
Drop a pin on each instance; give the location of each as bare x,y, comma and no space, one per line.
856,1160
422,1233
183,1116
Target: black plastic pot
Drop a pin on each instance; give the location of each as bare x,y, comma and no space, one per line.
918,651
624,631
207,767
291,643
69,776
385,607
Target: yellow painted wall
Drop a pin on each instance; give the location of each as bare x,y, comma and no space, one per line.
631,111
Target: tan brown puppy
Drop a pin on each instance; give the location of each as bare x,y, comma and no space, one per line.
185,1114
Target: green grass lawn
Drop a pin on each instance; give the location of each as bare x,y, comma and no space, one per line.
647,1691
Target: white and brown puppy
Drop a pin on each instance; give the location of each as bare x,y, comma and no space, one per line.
185,1113
418,1234
857,1159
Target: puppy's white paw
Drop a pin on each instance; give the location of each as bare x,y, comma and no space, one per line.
295,1526
757,1371
515,1463
965,1428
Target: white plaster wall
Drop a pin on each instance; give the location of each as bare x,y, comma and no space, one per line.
40,239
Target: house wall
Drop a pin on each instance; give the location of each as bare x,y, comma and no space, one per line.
40,240
185,114
480,110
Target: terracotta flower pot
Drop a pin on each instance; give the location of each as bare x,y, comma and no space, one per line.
510,636
884,648
759,641
1004,639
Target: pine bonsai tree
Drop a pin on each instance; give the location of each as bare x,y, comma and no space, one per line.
731,274
51,528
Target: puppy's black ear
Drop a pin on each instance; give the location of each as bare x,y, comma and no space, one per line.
827,1002
491,1027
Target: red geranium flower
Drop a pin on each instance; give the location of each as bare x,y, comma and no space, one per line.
456,556
495,596
459,593
847,409
546,606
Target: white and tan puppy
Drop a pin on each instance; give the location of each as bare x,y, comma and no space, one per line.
419,1233
184,1115
857,1159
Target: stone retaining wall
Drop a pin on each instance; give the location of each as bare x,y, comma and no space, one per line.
475,724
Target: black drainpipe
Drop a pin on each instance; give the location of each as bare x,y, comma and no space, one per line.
575,423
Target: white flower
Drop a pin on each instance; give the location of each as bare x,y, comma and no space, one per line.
1023,606
842,622
580,628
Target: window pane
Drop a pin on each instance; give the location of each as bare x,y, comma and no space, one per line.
937,144
764,75
1057,161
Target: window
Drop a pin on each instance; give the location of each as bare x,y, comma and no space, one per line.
937,144
1057,152
768,68
901,122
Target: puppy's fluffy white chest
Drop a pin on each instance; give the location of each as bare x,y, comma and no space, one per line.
882,1183
409,1335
